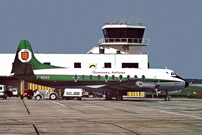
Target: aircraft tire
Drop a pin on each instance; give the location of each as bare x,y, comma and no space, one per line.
167,98
52,96
119,98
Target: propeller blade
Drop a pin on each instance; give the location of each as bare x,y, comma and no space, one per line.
156,92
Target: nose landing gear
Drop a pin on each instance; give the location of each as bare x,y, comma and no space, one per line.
167,98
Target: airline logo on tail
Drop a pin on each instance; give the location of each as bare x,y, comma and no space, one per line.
24,55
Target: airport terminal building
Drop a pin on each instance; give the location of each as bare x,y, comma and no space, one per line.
120,48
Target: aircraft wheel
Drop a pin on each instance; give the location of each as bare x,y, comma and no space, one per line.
119,98
38,97
52,96
167,98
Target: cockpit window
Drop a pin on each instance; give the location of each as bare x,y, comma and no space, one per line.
172,73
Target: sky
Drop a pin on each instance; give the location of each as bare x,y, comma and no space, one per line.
174,28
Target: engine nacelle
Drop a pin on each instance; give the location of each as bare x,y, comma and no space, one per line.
174,91
141,84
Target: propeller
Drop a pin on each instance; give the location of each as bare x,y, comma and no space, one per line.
156,88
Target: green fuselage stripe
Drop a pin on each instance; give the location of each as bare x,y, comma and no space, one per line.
87,78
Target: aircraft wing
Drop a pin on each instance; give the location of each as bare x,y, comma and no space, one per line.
118,86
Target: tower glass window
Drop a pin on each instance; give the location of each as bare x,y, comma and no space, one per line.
124,33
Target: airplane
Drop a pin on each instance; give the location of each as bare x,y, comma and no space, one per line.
114,82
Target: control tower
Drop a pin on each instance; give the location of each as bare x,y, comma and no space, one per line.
125,38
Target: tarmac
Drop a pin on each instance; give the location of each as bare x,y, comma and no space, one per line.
96,116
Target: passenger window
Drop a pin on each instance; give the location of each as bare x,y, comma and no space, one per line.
47,63
143,77
113,77
106,77
83,77
135,76
99,77
91,77
120,77
128,77
75,77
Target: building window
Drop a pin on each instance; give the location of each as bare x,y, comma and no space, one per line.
107,65
77,65
130,65
101,51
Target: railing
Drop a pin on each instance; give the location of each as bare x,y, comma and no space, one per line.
124,40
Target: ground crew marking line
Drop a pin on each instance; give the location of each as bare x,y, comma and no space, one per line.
182,115
58,103
68,107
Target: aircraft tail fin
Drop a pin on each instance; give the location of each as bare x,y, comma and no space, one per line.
25,61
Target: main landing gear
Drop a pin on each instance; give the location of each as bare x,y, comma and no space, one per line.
167,98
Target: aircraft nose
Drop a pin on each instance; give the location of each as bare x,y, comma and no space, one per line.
186,84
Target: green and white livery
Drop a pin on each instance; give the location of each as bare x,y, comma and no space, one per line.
114,82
